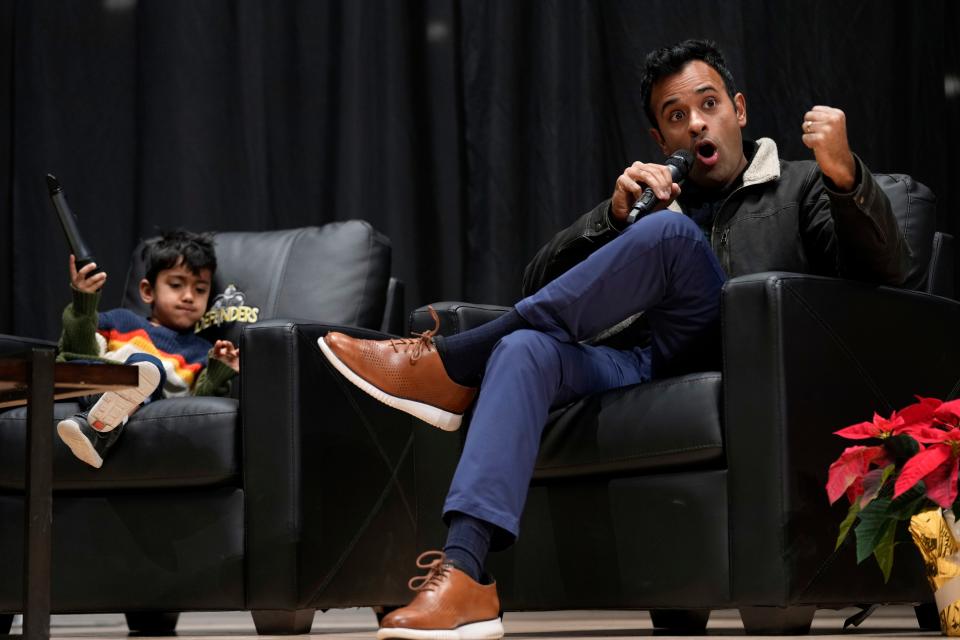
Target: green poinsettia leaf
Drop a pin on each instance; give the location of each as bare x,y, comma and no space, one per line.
909,503
873,521
883,552
901,446
852,514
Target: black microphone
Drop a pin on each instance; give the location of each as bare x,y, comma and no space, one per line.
69,223
679,164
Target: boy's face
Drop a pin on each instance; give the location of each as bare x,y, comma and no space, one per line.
179,298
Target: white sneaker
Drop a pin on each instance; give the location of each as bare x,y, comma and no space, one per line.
113,406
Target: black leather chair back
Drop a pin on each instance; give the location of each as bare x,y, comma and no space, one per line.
337,273
915,208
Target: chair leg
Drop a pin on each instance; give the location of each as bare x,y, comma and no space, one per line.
153,623
927,616
6,621
282,622
777,620
691,621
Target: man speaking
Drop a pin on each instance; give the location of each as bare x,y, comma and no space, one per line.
611,304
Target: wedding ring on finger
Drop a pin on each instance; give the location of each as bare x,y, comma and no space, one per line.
806,126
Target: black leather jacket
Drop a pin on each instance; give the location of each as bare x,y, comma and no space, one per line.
783,218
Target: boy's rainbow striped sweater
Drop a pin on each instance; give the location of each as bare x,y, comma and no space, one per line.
117,334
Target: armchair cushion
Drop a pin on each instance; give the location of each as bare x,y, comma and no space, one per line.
658,425
178,442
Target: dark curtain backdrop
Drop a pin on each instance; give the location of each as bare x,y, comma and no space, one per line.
467,131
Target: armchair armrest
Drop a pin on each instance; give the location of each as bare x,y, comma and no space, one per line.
803,357
455,317
328,476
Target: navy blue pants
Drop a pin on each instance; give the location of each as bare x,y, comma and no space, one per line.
662,265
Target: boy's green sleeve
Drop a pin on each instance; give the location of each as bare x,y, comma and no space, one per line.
214,379
79,334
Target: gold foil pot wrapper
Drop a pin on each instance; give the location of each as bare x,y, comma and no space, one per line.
934,537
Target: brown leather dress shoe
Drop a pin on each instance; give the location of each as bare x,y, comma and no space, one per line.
449,605
405,373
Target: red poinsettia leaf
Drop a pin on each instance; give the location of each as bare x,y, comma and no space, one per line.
917,467
920,413
855,490
852,465
859,431
927,435
887,425
948,412
942,483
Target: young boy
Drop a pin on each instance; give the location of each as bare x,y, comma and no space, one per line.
172,359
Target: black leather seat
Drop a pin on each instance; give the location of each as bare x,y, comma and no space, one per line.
706,491
214,503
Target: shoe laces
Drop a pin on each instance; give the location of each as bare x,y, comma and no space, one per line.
422,341
435,562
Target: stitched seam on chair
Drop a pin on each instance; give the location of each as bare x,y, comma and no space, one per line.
391,483
909,216
136,480
225,412
273,303
934,266
368,276
348,390
362,529
293,469
188,415
724,435
627,458
681,383
366,279
781,410
657,385
867,378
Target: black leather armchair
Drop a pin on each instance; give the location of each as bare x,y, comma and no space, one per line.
706,491
238,504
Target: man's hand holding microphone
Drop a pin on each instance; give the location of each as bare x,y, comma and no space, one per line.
645,188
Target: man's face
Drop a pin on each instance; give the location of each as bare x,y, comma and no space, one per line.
695,113
179,298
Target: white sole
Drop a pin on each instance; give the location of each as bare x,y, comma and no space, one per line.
69,432
114,406
428,413
486,630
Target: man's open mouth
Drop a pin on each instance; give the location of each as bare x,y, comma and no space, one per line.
706,150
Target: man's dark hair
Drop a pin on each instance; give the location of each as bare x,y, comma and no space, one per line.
670,60
194,250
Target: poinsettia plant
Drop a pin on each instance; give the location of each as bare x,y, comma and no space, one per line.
913,468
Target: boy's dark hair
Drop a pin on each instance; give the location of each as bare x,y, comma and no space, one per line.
667,61
195,250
